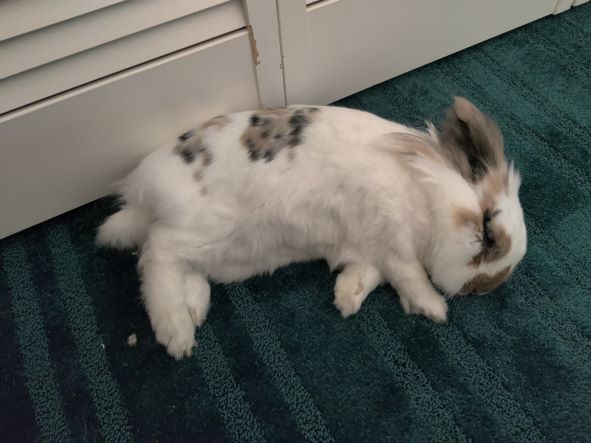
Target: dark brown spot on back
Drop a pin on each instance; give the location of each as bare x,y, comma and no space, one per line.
271,131
254,120
192,148
269,155
187,155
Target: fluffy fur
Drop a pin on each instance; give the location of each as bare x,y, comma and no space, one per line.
253,191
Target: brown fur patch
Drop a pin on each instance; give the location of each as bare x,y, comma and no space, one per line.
191,148
485,283
497,180
488,201
271,131
217,122
465,217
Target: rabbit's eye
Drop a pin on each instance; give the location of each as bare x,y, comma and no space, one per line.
488,235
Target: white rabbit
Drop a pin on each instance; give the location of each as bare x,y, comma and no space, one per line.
249,192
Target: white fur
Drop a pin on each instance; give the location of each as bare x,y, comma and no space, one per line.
342,197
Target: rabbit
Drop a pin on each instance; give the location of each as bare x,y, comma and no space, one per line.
250,192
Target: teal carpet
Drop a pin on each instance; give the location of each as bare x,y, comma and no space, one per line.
275,361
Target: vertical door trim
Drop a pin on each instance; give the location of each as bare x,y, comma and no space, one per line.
261,15
293,27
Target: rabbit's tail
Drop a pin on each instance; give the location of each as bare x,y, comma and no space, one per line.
125,229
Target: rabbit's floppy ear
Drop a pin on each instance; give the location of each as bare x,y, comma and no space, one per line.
471,141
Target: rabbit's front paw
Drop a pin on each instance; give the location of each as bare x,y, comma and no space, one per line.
175,330
197,295
349,293
353,285
432,306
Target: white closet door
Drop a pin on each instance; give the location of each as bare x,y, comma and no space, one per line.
73,52
22,16
88,31
333,48
66,151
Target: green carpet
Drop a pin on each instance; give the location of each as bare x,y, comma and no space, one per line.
276,362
